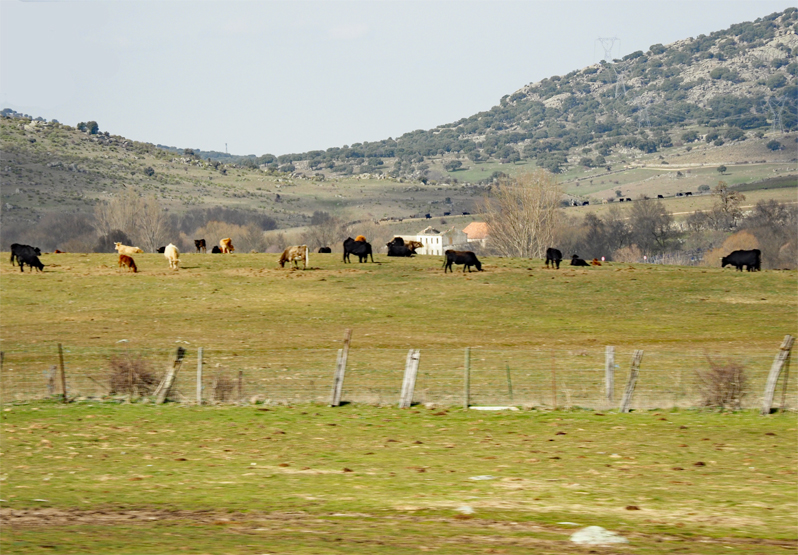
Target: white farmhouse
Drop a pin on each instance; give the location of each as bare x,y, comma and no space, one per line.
437,242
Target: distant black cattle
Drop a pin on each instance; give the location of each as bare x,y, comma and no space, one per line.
326,250
200,244
576,261
29,257
660,196
447,213
466,258
688,194
400,250
628,200
466,213
17,250
620,200
428,216
361,249
752,260
554,256
586,203
679,194
216,250
161,249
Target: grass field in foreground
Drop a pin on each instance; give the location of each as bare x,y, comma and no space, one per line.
310,479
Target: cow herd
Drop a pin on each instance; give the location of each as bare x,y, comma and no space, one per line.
26,255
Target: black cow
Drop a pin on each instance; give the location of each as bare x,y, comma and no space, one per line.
29,257
620,200
628,200
161,250
576,261
361,249
323,250
466,213
17,250
554,256
466,258
216,250
688,194
752,260
200,244
660,196
586,203
447,213
428,216
400,250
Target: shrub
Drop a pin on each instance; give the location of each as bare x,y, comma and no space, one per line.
774,145
131,376
723,385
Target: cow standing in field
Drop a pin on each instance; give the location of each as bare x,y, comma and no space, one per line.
554,256
361,249
752,260
127,262
161,250
227,245
293,255
466,258
576,261
30,258
17,250
173,256
124,249
200,245
325,250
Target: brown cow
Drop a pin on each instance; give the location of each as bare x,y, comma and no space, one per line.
227,245
294,254
128,262
595,262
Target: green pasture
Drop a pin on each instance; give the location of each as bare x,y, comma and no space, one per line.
102,478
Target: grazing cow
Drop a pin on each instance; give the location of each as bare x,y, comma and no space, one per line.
595,262
628,200
466,258
679,194
428,216
688,194
586,203
216,250
128,262
466,213
123,249
447,213
30,258
620,200
361,249
200,244
576,261
227,245
293,254
161,250
360,239
752,260
325,250
173,256
660,196
17,250
554,256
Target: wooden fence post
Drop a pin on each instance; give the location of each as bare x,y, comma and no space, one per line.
240,385
775,370
553,381
467,379
2,376
199,376
340,370
630,385
409,382
63,374
609,372
162,391
509,382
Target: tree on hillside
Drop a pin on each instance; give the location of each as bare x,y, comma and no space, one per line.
325,230
522,214
726,210
722,169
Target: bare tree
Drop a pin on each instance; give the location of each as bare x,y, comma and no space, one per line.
522,214
154,228
120,213
651,226
324,231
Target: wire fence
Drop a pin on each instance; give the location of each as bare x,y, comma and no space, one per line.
539,378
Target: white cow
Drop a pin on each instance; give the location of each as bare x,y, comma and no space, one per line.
172,255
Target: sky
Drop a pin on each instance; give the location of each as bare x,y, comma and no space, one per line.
278,77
